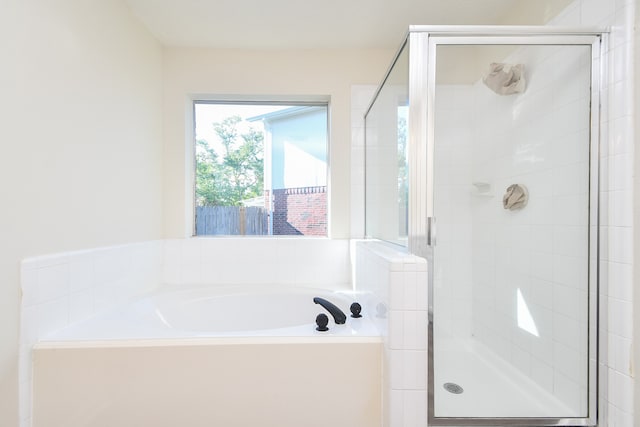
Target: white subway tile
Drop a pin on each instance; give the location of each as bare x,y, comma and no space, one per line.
29,284
396,329
190,274
29,327
191,254
542,374
415,413
621,141
521,359
623,384
396,408
541,239
53,316
410,330
397,368
422,290
542,293
570,332
80,306
81,272
621,177
622,418
570,271
619,280
569,392
621,317
415,370
622,208
570,362
622,352
53,282
396,290
410,290
620,245
542,266
570,302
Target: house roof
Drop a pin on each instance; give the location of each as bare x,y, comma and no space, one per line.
285,113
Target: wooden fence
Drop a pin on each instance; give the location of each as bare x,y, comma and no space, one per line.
231,220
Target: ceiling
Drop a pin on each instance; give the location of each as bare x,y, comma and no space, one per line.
303,24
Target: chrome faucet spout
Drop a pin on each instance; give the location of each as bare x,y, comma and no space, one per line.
338,315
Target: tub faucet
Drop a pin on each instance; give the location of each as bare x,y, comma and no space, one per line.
338,315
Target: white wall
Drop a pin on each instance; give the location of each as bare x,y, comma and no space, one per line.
81,152
191,72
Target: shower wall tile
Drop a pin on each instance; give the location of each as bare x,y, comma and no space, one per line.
540,251
616,282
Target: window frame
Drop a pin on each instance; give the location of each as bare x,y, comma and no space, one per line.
262,100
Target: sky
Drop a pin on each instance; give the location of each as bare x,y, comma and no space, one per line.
207,114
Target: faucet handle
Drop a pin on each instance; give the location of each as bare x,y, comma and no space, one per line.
322,321
355,310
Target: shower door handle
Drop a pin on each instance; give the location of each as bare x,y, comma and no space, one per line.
431,231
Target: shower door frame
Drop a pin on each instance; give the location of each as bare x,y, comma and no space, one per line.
423,42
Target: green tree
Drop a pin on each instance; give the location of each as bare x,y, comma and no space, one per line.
236,174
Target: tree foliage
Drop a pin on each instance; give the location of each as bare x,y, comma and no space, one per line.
235,174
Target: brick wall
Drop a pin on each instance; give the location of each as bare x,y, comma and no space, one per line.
300,211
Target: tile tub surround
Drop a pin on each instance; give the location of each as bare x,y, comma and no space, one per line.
397,283
66,288
316,262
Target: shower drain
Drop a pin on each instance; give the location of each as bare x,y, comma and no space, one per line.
453,388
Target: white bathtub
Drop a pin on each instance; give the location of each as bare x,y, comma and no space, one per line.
223,356
221,311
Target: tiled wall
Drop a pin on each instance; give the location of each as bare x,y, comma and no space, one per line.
535,257
65,288
315,262
384,217
616,204
397,283
453,197
361,96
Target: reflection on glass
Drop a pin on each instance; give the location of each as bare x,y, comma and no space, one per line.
386,171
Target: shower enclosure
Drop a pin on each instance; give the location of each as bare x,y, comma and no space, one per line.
482,147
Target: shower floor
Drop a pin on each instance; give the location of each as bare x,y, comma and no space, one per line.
492,387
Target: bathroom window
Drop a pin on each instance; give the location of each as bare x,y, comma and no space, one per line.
261,168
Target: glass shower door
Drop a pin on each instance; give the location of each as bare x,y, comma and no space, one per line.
514,194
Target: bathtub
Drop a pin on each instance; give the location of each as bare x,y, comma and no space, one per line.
221,311
212,356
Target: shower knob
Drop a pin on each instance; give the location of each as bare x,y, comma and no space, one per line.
322,321
355,310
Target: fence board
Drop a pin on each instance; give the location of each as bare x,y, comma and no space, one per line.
226,220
